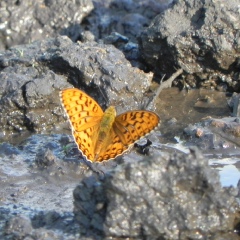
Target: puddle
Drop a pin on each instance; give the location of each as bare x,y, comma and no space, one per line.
228,170
177,109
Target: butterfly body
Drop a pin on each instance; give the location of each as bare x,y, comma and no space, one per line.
102,135
103,138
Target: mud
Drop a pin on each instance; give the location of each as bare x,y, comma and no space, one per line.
39,174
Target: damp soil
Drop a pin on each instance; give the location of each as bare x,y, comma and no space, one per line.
31,188
178,109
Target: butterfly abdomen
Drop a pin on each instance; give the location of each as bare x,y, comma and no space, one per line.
104,138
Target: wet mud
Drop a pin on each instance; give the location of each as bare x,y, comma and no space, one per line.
39,174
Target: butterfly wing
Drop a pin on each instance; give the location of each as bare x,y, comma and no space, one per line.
85,115
128,128
86,141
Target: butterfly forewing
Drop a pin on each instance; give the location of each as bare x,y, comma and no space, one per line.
86,141
84,114
82,110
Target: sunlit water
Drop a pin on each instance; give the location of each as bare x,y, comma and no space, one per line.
228,171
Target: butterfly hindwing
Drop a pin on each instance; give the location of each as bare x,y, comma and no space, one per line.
114,148
86,141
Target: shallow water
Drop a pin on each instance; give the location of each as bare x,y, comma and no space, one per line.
177,109
189,107
228,170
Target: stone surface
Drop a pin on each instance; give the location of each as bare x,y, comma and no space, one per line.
26,21
201,37
211,135
32,76
36,194
176,197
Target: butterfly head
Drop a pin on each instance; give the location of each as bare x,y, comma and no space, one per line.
111,111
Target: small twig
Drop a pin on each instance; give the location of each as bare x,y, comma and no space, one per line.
163,85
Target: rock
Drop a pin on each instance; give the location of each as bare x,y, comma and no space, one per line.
19,227
213,134
24,22
177,197
198,36
32,76
33,188
234,104
158,195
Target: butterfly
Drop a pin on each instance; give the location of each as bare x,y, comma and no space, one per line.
102,136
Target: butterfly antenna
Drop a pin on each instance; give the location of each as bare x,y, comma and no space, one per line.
104,95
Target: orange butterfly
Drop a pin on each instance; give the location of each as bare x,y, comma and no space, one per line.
102,135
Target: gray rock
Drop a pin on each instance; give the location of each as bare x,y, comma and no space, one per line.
177,197
18,227
201,37
34,181
21,227
219,137
32,76
26,21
